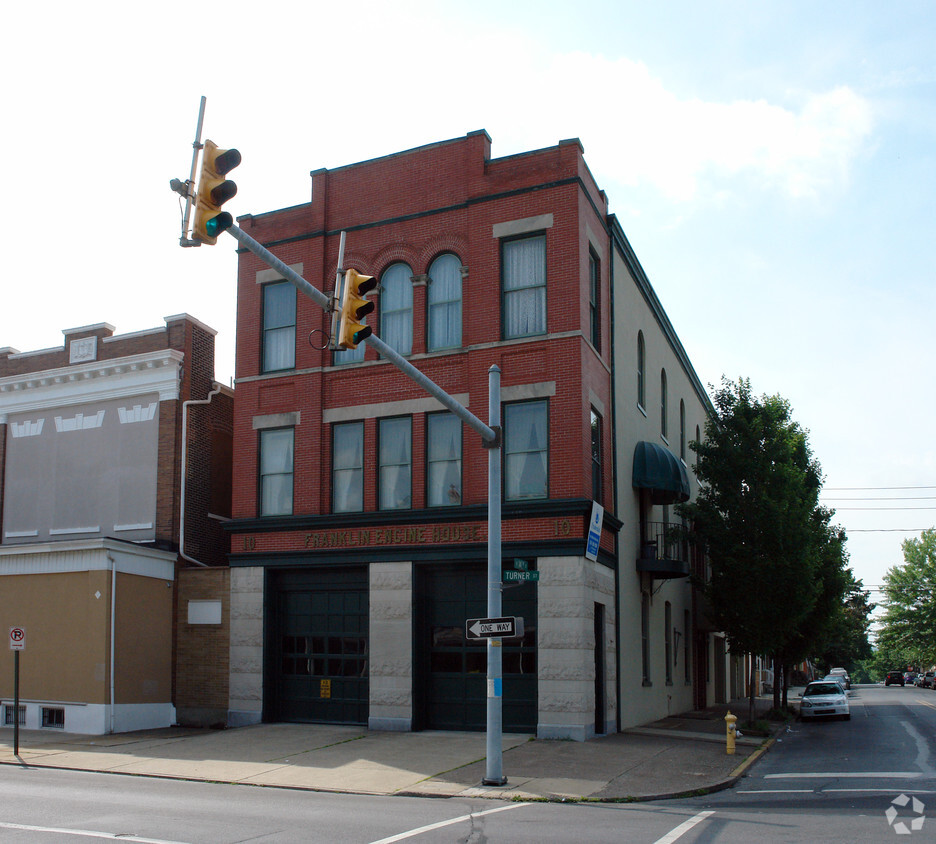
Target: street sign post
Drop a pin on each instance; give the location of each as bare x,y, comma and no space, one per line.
510,627
17,644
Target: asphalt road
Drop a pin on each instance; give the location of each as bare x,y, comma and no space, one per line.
830,781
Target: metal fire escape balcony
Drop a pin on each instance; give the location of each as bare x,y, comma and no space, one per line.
664,551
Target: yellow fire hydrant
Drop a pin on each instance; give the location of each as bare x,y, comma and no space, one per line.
731,730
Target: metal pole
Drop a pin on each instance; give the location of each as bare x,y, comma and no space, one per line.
196,145
16,703
495,698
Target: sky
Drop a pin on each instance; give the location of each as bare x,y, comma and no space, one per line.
773,165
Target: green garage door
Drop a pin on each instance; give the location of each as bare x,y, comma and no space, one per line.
451,688
318,663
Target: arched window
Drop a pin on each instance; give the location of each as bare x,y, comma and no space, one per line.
641,370
445,303
396,308
664,429
682,430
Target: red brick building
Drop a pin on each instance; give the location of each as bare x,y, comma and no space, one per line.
91,497
360,503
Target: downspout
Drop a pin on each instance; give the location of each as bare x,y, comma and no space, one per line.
113,641
615,474
185,406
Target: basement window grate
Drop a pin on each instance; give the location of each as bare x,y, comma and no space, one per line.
8,715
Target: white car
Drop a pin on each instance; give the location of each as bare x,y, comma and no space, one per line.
825,697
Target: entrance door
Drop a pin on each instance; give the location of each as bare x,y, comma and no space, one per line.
599,669
318,664
451,688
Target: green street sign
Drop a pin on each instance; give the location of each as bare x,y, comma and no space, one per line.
520,576
521,565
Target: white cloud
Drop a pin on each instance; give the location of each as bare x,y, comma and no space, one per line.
683,147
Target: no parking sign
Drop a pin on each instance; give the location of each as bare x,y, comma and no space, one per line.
17,639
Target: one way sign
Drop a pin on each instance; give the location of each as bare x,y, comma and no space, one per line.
494,628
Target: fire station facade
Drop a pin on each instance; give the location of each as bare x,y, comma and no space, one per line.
360,503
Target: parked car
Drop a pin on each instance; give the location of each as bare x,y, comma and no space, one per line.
911,677
835,678
823,698
844,674
928,681
893,678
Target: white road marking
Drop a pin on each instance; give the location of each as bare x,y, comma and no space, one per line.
778,791
683,828
411,833
87,833
813,775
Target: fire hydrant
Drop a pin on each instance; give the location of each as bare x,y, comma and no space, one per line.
731,730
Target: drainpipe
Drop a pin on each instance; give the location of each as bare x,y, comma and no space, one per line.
185,406
113,642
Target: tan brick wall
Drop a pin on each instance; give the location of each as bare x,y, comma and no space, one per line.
203,650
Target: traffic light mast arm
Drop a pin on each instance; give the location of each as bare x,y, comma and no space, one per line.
490,436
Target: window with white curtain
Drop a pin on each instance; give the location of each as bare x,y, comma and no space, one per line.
443,460
445,303
276,471
526,450
348,467
279,326
395,459
523,269
396,308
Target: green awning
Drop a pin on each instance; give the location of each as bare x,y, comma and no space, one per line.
656,468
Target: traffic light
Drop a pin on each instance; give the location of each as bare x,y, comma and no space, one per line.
354,307
213,191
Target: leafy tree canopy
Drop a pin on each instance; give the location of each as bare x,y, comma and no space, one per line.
756,515
908,627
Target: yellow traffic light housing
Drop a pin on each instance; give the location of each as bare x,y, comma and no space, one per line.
213,191
354,307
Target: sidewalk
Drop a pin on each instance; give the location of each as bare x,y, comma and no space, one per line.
675,756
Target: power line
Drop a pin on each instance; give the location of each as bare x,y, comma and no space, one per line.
880,498
871,488
892,509
885,530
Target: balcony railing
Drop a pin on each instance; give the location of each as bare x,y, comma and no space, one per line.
664,550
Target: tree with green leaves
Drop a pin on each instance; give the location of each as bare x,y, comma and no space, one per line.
758,521
825,622
908,627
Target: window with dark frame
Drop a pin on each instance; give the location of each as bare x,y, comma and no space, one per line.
664,405
668,640
641,370
276,471
523,278
645,637
526,450
682,430
348,467
443,460
396,308
395,463
279,327
444,303
594,300
596,456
